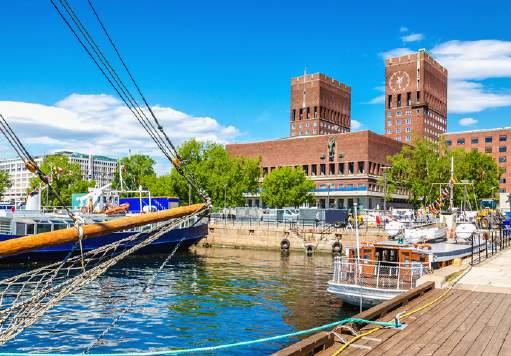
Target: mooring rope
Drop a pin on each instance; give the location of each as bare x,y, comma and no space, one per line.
382,324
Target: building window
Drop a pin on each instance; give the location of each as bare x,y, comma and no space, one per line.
305,168
293,117
389,131
322,169
487,150
502,159
307,132
398,122
408,129
398,138
389,114
315,131
503,138
398,100
408,138
408,99
488,139
448,142
331,170
461,141
408,121
389,122
341,168
475,140
398,113
313,169
351,167
389,101
502,149
398,130
418,96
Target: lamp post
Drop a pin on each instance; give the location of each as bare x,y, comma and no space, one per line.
385,168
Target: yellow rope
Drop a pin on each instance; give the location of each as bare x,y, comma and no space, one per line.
403,316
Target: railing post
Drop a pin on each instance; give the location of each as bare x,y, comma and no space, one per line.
479,244
472,241
492,243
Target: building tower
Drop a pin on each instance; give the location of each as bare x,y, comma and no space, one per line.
415,97
319,105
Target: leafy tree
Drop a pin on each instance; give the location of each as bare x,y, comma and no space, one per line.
135,169
417,168
286,186
64,176
5,182
158,186
224,178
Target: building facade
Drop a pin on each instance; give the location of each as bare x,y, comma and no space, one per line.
319,105
345,167
101,169
20,178
495,142
415,98
98,168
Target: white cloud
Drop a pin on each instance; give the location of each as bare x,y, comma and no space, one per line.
469,63
380,99
355,125
467,97
101,124
475,60
412,37
403,29
468,121
396,52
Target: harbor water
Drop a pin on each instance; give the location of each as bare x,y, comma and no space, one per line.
202,298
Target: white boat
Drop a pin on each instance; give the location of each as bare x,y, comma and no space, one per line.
416,233
369,282
426,233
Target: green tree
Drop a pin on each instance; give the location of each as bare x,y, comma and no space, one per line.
5,182
135,169
64,176
224,178
418,168
158,185
286,186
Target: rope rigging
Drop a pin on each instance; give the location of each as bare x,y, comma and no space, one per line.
154,129
31,164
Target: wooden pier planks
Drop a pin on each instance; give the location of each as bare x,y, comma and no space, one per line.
463,323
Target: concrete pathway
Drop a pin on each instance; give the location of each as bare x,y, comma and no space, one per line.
492,275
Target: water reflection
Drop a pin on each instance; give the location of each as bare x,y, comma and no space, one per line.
203,298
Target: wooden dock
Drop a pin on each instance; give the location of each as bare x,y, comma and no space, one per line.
462,322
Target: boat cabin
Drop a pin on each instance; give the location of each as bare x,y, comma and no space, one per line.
387,252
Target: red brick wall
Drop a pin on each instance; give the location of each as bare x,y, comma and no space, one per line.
482,146
426,117
326,104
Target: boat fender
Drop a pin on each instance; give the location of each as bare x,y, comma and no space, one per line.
284,244
336,247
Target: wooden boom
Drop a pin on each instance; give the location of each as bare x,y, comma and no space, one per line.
45,239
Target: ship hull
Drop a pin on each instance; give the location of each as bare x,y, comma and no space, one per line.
187,236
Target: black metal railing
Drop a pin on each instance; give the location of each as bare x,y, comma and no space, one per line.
487,243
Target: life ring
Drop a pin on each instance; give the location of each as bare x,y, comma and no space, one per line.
284,244
336,247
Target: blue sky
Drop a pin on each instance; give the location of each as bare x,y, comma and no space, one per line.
225,66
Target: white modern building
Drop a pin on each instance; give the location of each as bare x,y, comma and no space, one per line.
101,169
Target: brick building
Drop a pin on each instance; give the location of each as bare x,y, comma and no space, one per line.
346,167
495,142
415,97
319,105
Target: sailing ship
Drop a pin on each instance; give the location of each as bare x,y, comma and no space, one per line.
93,209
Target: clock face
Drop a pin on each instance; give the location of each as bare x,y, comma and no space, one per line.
399,81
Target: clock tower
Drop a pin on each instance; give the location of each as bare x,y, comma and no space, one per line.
415,98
